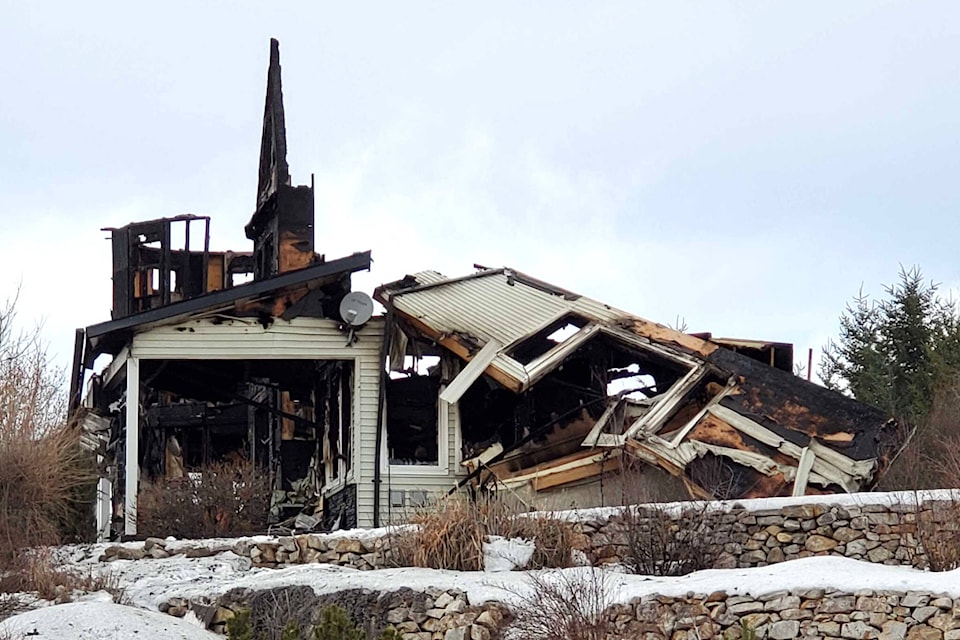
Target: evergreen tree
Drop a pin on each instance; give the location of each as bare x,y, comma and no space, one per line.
894,353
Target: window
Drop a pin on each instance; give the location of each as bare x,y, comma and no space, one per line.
412,422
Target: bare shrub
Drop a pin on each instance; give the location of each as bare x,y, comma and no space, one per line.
667,540
225,498
275,612
561,605
449,534
938,533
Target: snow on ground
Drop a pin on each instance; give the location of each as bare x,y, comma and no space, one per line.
101,621
148,583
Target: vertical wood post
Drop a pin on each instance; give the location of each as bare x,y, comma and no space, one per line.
132,463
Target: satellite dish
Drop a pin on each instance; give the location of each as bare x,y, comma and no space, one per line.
356,308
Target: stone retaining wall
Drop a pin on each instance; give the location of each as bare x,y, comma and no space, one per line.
732,535
811,614
433,614
742,537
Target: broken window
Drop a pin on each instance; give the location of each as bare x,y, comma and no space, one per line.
412,419
337,402
292,418
605,385
545,340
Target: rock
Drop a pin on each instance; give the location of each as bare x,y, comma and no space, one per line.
125,553
837,604
858,630
820,544
783,630
872,604
348,545
739,609
922,614
443,600
846,534
923,632
893,630
781,603
318,543
879,555
150,543
460,633
491,618
397,615
457,606
222,615
478,632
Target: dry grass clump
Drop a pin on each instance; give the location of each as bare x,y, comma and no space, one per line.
45,477
42,484
451,532
228,498
37,571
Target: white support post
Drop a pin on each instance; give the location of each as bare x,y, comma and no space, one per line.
104,505
132,466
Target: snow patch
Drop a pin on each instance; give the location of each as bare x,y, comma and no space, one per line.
502,554
101,621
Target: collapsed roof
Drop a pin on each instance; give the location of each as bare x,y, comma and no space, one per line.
604,383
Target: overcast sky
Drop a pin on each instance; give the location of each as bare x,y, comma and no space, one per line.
742,166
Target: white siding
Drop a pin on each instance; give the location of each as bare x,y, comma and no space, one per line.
434,484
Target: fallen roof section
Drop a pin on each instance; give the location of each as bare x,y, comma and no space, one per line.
591,382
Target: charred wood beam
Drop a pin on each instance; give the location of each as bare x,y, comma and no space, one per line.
535,433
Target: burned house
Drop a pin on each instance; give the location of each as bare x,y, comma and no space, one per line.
494,380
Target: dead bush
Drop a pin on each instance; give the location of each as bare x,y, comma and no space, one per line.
450,533
667,540
561,605
222,499
938,533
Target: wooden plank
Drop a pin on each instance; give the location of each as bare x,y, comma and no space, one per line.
561,478
474,369
215,279
287,405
